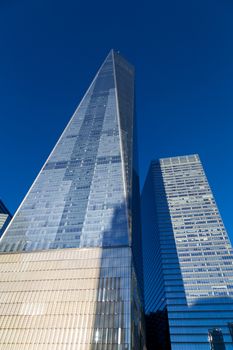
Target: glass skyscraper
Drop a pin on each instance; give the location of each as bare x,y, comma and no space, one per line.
70,271
188,258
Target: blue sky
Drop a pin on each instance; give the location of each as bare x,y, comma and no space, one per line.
183,54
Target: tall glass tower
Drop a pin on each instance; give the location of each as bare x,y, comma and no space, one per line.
68,269
188,258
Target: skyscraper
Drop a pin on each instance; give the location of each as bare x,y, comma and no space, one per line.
188,258
68,270
5,217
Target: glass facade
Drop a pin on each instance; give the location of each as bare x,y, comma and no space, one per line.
71,283
5,217
188,255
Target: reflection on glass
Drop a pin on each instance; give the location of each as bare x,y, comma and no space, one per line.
188,270
85,297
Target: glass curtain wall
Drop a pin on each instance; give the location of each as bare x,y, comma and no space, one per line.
68,277
188,255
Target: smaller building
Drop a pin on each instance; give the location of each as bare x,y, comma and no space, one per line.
5,217
188,260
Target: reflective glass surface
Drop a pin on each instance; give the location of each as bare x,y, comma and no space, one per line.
189,252
5,217
87,296
66,299
80,197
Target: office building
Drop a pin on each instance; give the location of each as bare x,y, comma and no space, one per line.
70,272
188,260
5,217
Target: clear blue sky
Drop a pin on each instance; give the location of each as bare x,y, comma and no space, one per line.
183,54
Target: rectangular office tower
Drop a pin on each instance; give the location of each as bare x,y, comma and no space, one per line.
188,259
68,273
